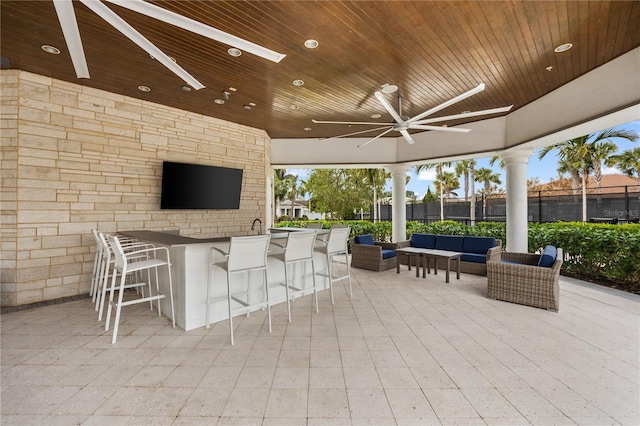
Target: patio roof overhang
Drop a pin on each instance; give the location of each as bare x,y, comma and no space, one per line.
605,97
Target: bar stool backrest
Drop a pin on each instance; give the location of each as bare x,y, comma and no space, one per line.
300,245
248,252
337,242
119,257
314,225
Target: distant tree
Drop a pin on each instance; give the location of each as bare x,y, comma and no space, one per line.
449,182
466,168
439,167
486,176
579,155
429,196
377,179
628,162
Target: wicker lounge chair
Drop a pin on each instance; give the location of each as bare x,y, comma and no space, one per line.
370,256
519,279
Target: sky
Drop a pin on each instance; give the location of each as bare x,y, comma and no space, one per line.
545,169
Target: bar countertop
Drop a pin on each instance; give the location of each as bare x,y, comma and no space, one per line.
170,239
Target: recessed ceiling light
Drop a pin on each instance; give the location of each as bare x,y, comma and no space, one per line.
298,82
307,129
186,88
293,107
252,104
549,68
311,43
389,88
246,106
144,88
376,115
50,49
219,101
465,112
563,47
234,52
232,89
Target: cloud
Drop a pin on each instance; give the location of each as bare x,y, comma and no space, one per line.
610,171
301,173
430,174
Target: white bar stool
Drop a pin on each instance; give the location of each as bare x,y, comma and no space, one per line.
335,245
246,255
126,263
297,250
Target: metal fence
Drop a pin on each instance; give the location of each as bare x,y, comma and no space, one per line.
606,205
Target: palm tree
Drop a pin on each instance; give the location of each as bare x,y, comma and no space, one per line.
486,176
628,162
279,189
292,186
438,167
449,182
467,169
377,178
580,155
600,152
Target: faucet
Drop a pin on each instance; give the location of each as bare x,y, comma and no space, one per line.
253,225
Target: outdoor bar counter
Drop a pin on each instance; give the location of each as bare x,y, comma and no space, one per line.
190,267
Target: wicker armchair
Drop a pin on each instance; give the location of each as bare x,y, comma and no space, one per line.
520,280
366,256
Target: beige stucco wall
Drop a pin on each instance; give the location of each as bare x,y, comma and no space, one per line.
76,158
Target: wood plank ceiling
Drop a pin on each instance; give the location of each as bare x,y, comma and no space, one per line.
433,51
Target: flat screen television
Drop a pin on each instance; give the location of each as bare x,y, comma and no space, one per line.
195,186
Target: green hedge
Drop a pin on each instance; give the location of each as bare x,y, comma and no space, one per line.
597,251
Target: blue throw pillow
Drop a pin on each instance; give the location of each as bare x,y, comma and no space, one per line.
477,245
548,257
366,239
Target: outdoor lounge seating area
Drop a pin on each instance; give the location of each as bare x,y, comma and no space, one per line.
476,251
527,278
401,351
372,255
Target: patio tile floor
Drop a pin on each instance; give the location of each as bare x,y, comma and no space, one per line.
403,350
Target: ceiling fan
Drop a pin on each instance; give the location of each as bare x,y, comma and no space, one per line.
402,124
71,32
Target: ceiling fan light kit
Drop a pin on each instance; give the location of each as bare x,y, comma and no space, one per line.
403,125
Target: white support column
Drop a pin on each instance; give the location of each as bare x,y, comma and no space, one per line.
399,201
517,214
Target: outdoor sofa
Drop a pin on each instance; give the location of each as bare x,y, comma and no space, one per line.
527,278
372,255
476,251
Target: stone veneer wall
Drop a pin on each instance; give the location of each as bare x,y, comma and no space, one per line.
76,158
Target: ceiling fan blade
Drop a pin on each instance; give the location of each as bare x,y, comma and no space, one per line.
450,102
439,128
407,136
132,34
351,122
388,107
69,24
189,24
377,137
464,115
356,133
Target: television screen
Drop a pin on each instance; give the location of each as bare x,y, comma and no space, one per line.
194,186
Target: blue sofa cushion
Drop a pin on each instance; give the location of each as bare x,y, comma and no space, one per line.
449,242
548,256
366,239
473,257
388,254
427,241
478,245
